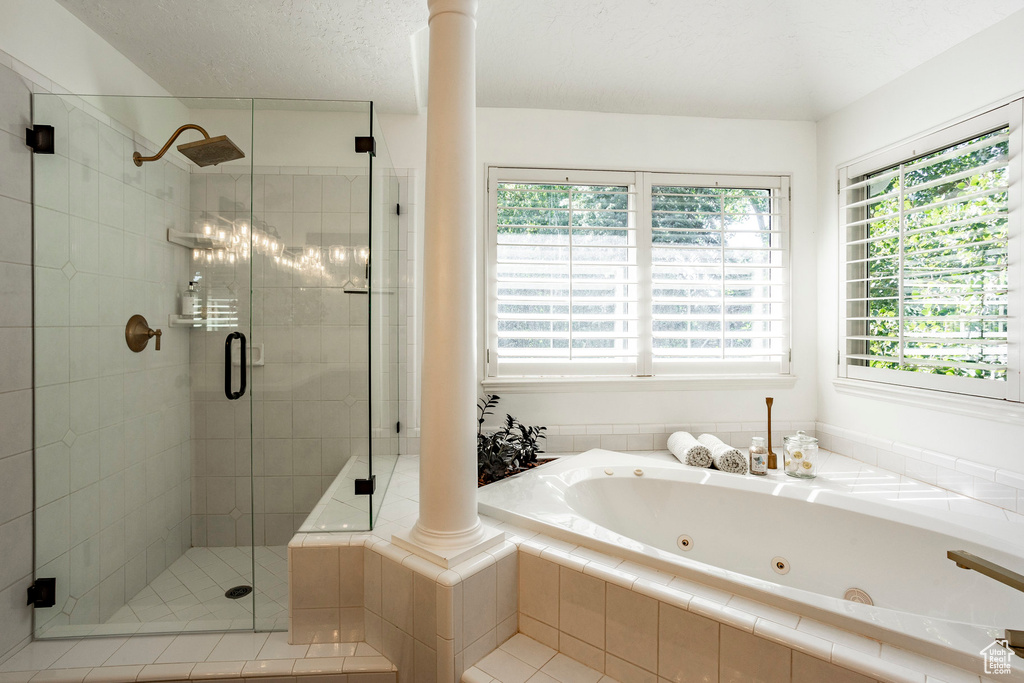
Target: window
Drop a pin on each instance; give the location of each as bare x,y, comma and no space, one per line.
927,232
632,273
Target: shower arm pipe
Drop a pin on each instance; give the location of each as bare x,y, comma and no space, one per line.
139,159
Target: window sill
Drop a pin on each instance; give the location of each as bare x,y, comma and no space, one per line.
993,409
549,385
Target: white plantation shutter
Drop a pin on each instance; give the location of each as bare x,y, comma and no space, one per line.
565,274
719,274
927,296
623,273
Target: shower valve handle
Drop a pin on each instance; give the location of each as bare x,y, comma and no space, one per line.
137,334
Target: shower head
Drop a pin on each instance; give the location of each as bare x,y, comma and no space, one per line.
206,152
211,151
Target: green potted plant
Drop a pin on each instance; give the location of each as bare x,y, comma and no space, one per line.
512,448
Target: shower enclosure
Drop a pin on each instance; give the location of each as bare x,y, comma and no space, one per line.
169,479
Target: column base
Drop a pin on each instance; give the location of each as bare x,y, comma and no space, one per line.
450,553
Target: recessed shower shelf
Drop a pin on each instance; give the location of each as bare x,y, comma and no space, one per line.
194,240
184,321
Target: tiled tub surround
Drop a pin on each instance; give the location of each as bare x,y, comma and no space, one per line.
431,622
999,487
640,625
845,529
653,437
250,657
112,427
799,647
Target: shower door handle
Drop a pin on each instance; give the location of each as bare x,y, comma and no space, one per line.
234,395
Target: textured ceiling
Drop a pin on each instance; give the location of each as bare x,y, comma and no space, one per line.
320,49
789,59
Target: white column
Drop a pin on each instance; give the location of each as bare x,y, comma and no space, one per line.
449,528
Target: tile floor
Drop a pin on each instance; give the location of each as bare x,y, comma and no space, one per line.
194,656
189,596
523,660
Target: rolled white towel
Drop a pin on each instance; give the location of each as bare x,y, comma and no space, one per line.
688,450
723,456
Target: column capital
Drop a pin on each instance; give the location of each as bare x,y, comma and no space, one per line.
467,7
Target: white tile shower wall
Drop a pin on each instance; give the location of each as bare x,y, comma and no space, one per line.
112,427
654,437
310,399
16,361
1003,488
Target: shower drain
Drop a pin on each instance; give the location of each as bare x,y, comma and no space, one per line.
237,592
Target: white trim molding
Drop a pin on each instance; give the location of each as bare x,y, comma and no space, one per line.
994,409
556,385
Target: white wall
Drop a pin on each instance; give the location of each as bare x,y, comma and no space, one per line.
51,40
568,139
986,70
667,143
282,133
63,55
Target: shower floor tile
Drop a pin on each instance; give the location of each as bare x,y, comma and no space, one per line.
189,595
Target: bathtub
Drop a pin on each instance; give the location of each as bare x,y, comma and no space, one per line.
741,532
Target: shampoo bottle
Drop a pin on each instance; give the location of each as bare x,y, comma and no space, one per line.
190,301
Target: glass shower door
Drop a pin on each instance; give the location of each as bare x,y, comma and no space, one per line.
169,482
224,553
142,462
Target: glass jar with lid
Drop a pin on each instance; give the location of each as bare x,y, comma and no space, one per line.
801,456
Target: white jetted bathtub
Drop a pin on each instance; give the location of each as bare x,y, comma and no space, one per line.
828,534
